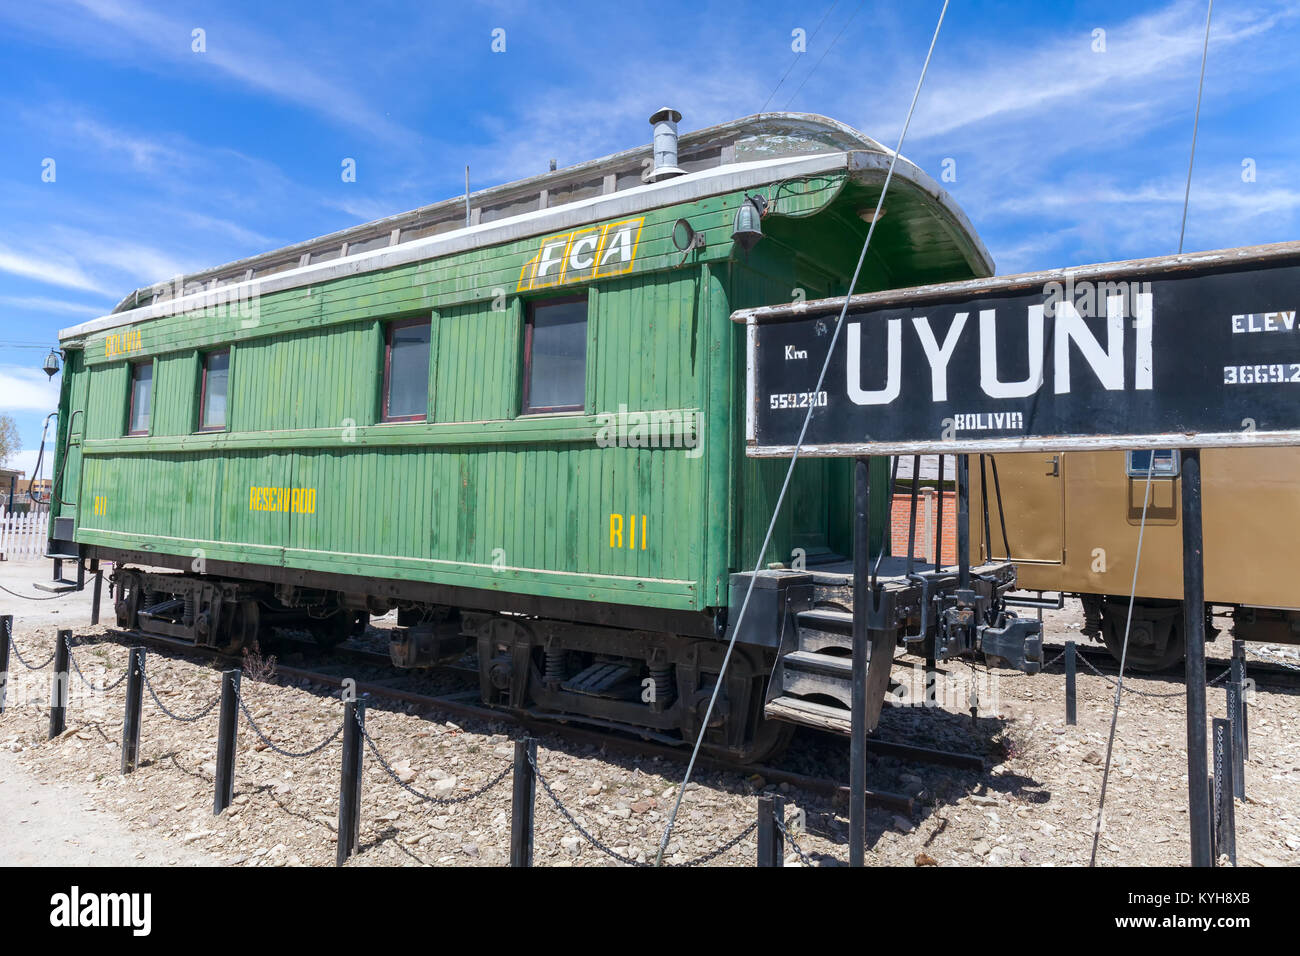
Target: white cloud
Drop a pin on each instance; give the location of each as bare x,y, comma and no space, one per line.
41,304
25,389
124,30
135,262
146,155
25,460
110,265
1149,69
44,269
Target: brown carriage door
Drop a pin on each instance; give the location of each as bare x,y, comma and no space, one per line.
1033,504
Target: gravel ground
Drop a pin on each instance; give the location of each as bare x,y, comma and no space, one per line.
1033,806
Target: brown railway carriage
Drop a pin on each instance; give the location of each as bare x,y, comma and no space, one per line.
1072,522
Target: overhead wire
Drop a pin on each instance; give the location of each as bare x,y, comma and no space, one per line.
828,49
803,431
1128,623
795,58
1123,657
1196,121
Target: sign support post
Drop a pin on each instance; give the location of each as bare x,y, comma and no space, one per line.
1198,800
1209,349
963,521
858,711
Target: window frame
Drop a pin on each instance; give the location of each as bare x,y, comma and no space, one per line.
203,389
1172,471
130,397
526,385
387,380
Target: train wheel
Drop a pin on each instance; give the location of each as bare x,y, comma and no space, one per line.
128,601
1155,639
240,626
770,738
334,630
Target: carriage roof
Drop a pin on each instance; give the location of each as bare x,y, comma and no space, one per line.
739,154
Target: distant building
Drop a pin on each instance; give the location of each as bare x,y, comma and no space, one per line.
11,478
40,485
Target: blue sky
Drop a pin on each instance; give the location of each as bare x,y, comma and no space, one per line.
168,160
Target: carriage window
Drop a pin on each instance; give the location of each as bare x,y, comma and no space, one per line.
1166,463
212,395
555,357
406,371
141,394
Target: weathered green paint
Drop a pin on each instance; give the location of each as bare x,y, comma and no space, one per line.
478,495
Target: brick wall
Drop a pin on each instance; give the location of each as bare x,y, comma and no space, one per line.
924,547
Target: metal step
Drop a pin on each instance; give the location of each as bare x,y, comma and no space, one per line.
809,713
832,665
806,672
819,629
56,587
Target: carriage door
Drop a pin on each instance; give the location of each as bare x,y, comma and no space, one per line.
810,506
1033,504
65,500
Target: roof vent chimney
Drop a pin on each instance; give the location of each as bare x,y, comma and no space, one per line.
665,123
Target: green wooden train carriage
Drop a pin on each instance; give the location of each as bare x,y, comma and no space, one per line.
516,416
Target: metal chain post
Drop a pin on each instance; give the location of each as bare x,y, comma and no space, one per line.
6,639
354,724
771,845
59,685
807,860
227,728
134,706
523,803
1071,689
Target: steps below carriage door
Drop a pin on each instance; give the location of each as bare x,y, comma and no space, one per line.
813,682
818,663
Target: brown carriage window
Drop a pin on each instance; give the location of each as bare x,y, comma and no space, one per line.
555,357
406,371
141,395
212,393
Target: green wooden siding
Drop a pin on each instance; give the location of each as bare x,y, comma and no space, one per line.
479,495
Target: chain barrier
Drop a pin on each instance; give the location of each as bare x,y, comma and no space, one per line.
564,812
614,854
163,707
714,854
19,654
1141,693
1276,660
427,797
76,668
29,597
780,825
1023,673
239,698
1128,690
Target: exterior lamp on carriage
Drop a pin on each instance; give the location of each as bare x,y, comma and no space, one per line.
51,366
747,228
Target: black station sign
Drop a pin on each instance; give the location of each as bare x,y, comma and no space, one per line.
1196,350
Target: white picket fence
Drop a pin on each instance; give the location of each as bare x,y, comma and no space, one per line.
23,536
